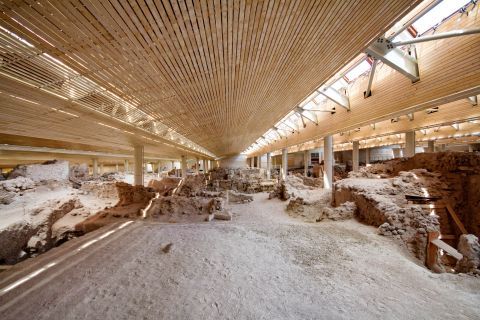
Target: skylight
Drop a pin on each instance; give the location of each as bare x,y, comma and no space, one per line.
356,72
438,14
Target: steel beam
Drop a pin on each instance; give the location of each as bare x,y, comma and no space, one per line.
395,58
337,97
368,92
439,36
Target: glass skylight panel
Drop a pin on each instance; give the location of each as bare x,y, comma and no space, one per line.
353,74
319,99
437,14
404,35
309,98
339,84
310,105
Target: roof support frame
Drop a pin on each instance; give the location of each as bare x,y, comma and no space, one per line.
395,58
336,96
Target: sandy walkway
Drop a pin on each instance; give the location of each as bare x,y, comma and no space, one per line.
263,265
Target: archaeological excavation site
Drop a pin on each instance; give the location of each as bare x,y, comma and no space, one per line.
239,159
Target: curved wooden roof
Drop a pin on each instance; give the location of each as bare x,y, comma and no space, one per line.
220,73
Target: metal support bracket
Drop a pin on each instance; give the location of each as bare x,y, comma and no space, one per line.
337,97
395,58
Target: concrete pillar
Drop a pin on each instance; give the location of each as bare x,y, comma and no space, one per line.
173,164
269,164
184,166
204,166
158,168
431,146
409,144
367,155
138,168
252,162
356,156
125,166
145,167
116,167
328,161
470,148
101,169
306,153
259,161
197,165
284,169
95,168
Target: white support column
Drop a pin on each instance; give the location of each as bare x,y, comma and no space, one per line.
367,155
125,166
205,166
284,170
197,165
158,168
409,144
269,164
116,167
95,168
431,146
184,166
355,156
259,161
138,169
328,170
306,153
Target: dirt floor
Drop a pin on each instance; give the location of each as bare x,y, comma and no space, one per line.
262,265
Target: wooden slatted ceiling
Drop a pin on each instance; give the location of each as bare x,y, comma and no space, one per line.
460,111
449,70
218,72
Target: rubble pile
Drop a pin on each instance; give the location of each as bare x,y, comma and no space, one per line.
192,186
235,197
164,186
294,185
449,177
469,247
49,170
247,180
310,181
9,189
131,200
188,200
100,189
44,228
382,203
458,174
280,192
187,209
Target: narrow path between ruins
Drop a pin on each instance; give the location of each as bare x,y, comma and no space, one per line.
262,265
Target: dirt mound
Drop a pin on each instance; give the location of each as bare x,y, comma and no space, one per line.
100,189
186,209
128,194
246,180
132,199
192,186
35,235
165,186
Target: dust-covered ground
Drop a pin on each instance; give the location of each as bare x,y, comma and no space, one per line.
262,265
